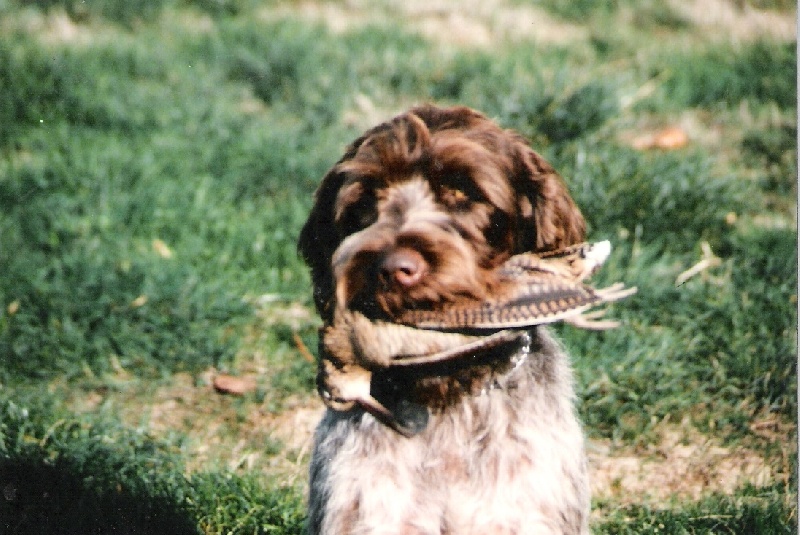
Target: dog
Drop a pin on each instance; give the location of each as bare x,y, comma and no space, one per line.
418,213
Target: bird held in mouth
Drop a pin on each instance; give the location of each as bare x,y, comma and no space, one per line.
533,289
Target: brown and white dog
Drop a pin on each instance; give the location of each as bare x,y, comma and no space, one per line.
420,211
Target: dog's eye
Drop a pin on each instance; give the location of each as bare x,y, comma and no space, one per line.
356,217
454,198
355,208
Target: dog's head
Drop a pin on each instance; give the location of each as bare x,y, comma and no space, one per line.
420,209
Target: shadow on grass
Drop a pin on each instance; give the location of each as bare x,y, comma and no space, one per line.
37,497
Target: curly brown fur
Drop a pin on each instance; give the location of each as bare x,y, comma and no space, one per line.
447,182
418,213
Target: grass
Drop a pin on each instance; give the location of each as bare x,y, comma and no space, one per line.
73,476
157,160
752,511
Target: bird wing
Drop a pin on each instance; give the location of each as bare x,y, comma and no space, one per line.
522,302
533,289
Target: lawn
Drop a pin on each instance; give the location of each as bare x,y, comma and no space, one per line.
157,159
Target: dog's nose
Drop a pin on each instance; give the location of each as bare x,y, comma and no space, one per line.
405,267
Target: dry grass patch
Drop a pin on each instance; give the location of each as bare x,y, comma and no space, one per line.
686,464
243,434
738,21
57,29
459,24
233,433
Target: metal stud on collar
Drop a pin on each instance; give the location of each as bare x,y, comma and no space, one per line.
519,358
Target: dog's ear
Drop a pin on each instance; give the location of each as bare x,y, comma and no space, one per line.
548,217
318,240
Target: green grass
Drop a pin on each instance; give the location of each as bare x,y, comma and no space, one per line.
751,511
75,476
156,167
760,72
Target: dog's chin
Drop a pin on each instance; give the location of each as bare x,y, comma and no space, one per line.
389,303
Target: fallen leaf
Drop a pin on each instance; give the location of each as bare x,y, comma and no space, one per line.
670,138
162,249
237,386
